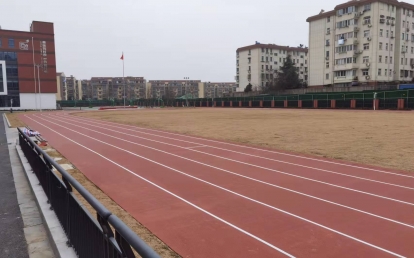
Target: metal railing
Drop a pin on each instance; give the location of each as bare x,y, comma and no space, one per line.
88,236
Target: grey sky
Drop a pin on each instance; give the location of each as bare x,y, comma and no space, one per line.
162,39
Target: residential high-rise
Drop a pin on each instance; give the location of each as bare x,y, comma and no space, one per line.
362,42
257,64
61,86
72,88
218,89
158,89
113,88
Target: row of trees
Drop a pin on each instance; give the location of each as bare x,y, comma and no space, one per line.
285,78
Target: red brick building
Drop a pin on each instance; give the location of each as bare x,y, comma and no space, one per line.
25,59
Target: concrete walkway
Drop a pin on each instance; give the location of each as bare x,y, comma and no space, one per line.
22,233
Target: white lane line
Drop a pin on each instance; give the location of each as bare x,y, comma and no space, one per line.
194,147
235,193
171,193
247,147
289,163
243,176
281,172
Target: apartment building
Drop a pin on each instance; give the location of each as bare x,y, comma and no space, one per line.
72,88
173,88
113,87
257,64
61,86
86,89
217,89
362,42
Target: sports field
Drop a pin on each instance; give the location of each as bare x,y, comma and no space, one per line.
380,138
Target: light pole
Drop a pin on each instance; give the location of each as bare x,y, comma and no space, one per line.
186,100
34,73
40,91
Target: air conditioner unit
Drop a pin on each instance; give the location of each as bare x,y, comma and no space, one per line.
369,25
356,15
408,29
327,58
356,29
392,23
328,32
392,37
367,77
355,41
367,64
369,38
382,20
388,22
361,12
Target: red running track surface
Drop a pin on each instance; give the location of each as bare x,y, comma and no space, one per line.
206,198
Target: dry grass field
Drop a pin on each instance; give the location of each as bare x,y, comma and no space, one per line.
380,138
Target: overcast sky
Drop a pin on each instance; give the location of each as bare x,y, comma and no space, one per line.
164,39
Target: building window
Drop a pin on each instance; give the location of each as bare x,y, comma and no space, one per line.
392,34
381,32
380,46
306,61
328,31
403,24
262,50
403,35
262,58
387,34
391,47
380,59
402,60
367,20
0,42
271,59
11,43
412,50
365,59
327,64
366,33
366,46
386,46
385,72
365,72
327,76
250,60
328,19
390,59
379,72
390,72
367,7
386,59
327,53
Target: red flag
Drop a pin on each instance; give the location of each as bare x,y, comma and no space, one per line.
122,57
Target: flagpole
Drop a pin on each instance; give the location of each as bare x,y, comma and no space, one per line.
123,75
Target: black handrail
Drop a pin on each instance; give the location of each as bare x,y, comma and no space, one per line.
89,237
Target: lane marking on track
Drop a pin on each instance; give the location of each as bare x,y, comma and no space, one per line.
171,193
247,147
243,153
232,192
194,147
243,176
274,170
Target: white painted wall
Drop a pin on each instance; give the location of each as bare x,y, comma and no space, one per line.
28,101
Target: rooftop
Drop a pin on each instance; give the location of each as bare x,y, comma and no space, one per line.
273,46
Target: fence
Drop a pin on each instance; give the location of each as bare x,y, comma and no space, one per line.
88,236
362,99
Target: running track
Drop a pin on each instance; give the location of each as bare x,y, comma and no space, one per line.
206,198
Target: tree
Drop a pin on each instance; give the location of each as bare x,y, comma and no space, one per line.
248,88
269,87
287,76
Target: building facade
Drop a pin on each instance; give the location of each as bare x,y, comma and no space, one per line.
113,87
158,89
362,42
61,93
28,67
217,89
258,64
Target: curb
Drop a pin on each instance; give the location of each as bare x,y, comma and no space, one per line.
57,236
7,120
